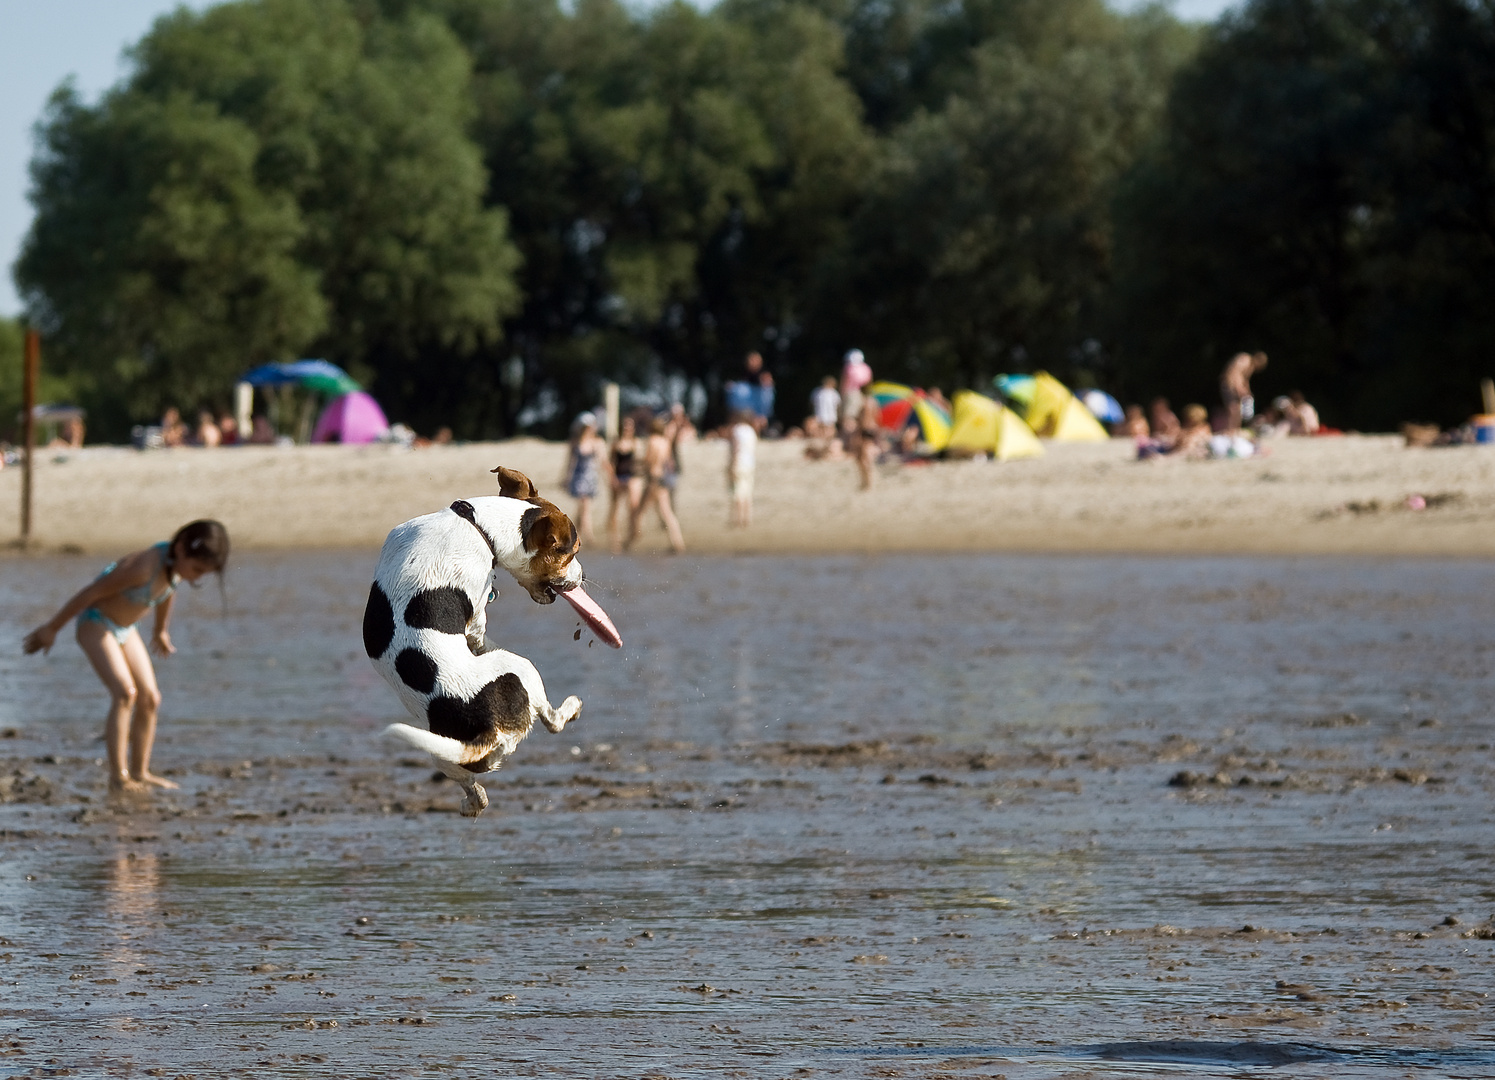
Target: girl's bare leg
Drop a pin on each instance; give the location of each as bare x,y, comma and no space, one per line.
667,516
584,517
637,515
113,670
143,720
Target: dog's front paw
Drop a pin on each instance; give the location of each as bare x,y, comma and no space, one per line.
475,802
570,709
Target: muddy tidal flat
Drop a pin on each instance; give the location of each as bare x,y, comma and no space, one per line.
823,816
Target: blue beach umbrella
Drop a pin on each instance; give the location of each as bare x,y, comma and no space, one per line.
1103,406
319,375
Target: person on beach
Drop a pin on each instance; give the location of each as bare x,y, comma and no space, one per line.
208,432
173,428
659,486
1303,418
584,470
627,487
855,374
741,462
1194,440
1164,422
1235,388
825,406
868,440
107,611
1133,424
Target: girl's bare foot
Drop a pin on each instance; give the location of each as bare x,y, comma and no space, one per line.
151,779
125,785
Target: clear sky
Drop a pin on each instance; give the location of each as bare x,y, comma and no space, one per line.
47,41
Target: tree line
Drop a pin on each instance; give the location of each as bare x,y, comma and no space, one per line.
484,208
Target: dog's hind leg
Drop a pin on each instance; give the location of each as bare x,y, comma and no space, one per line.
552,717
555,719
474,797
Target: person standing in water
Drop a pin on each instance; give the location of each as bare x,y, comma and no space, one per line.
627,486
107,611
584,470
659,484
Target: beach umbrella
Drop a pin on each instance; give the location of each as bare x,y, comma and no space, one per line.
933,420
895,403
899,406
351,418
1103,406
320,375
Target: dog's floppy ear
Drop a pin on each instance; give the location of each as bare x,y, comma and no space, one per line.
513,484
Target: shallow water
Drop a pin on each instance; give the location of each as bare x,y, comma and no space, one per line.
820,817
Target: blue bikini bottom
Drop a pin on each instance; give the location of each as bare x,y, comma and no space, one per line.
121,633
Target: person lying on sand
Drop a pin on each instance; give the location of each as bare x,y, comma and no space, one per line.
107,611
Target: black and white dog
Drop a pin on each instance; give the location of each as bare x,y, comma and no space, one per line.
425,626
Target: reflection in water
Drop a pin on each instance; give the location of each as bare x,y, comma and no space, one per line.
132,901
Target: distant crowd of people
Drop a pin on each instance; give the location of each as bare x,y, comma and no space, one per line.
1235,429
210,432
640,472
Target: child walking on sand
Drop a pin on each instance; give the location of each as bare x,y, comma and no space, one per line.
107,611
740,465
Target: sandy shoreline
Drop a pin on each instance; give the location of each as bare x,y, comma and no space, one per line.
1309,496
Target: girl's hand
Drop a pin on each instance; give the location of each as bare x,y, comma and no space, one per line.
39,640
161,644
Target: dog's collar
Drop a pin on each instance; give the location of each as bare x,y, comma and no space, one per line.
463,509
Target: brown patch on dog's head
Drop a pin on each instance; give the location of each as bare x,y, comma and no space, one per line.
550,539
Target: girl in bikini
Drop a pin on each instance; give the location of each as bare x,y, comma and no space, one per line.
107,611
627,486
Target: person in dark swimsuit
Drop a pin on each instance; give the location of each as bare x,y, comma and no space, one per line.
107,611
627,486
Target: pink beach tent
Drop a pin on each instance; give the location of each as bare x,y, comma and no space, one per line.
351,418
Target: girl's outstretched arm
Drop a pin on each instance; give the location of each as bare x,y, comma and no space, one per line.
132,571
160,639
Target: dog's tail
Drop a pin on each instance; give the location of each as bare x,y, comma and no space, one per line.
438,746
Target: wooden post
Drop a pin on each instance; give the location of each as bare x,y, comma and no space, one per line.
31,369
610,411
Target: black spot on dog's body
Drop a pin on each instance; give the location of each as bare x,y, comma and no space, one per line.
378,623
445,610
501,706
417,670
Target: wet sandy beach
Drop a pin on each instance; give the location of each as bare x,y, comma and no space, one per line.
836,816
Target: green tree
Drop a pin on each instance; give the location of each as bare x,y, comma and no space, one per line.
156,266
985,240
1325,191
275,177
672,179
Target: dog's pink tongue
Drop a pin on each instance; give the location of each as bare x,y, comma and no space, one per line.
594,616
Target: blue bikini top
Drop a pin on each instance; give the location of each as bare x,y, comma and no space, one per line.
141,594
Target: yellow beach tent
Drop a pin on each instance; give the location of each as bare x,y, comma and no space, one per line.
983,426
1057,414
